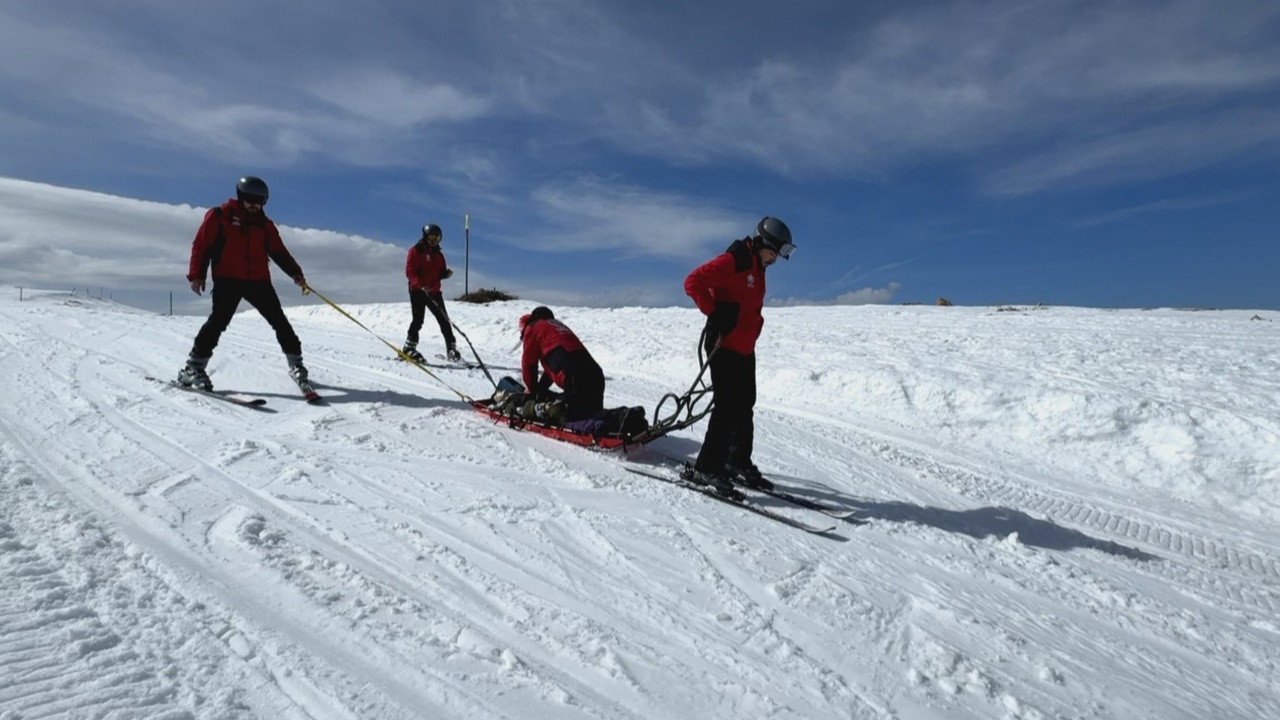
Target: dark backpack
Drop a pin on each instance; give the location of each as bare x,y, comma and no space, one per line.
623,422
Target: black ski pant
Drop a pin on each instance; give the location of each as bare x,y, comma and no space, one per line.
420,301
730,437
584,386
227,294
583,389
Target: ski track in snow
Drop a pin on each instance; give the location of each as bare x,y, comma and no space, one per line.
394,554
1215,565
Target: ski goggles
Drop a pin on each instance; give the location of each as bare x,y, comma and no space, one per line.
784,250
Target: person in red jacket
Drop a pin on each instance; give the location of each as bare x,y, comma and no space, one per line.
729,289
565,362
236,239
425,267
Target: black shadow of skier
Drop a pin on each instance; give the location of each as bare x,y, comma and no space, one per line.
334,395
979,522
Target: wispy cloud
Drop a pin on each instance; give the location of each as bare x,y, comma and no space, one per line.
864,296
1166,205
1022,83
394,100
857,93
858,274
1162,150
591,213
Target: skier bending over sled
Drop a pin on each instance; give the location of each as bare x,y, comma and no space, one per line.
729,290
236,239
425,267
565,362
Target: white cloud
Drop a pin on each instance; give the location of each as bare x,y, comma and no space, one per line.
590,213
62,238
1161,150
395,100
863,296
1165,205
958,79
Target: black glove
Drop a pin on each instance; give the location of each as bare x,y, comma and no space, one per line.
542,388
723,319
448,273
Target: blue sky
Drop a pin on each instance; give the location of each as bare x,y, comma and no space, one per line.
1083,153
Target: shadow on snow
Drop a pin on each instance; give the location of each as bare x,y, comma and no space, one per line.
981,522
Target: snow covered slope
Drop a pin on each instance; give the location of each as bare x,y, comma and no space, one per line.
1073,513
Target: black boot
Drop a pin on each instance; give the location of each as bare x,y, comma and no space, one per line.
298,372
748,475
717,481
192,374
411,351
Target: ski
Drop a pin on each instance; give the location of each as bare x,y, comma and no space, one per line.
838,513
256,403
804,502
456,363
444,363
738,502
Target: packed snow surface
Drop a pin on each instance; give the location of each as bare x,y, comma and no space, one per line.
1072,513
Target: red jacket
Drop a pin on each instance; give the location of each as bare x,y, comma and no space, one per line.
548,342
732,284
424,268
237,244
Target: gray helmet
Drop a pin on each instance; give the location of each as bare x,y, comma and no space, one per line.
775,235
252,187
432,229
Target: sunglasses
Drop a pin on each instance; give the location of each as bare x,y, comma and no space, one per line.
253,200
785,251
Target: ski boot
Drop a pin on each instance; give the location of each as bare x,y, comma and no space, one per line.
192,374
452,353
717,481
748,475
298,372
411,351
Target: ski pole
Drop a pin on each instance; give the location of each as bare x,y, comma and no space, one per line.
308,290
464,337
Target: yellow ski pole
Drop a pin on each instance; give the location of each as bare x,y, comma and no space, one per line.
308,290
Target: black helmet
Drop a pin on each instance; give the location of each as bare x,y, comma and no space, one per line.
541,312
251,186
775,235
432,229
